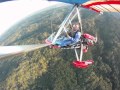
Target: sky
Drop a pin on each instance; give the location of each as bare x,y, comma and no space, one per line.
12,12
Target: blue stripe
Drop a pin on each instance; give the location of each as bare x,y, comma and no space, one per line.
65,1
71,1
4,0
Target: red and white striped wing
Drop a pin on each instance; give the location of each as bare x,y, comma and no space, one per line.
103,5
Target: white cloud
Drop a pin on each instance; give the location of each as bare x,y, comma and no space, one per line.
13,11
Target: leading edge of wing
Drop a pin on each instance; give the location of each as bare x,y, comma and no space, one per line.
103,6
71,1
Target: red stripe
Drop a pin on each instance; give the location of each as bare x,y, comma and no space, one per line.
91,8
99,3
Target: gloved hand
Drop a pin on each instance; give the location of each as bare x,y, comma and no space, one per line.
65,30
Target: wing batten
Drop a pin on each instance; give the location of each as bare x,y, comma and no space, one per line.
114,8
105,9
99,8
100,3
91,8
103,6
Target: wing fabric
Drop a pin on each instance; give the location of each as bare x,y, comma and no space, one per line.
11,50
71,1
96,5
65,1
103,5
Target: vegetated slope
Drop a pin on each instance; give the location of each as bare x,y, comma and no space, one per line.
51,69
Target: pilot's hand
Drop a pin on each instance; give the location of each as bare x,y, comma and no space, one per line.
65,31
68,36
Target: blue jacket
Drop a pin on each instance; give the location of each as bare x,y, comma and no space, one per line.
76,37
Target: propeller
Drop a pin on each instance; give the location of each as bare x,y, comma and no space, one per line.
12,50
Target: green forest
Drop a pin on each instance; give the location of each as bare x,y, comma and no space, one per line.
52,69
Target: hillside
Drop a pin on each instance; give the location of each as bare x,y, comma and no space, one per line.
50,69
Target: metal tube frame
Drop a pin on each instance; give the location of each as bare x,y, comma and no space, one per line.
80,22
63,24
67,20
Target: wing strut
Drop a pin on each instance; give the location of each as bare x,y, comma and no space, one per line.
79,19
73,13
63,25
76,54
80,22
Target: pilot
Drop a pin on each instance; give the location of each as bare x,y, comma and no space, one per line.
74,38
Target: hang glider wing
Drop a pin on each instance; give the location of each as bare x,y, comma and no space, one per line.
71,1
96,5
103,5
